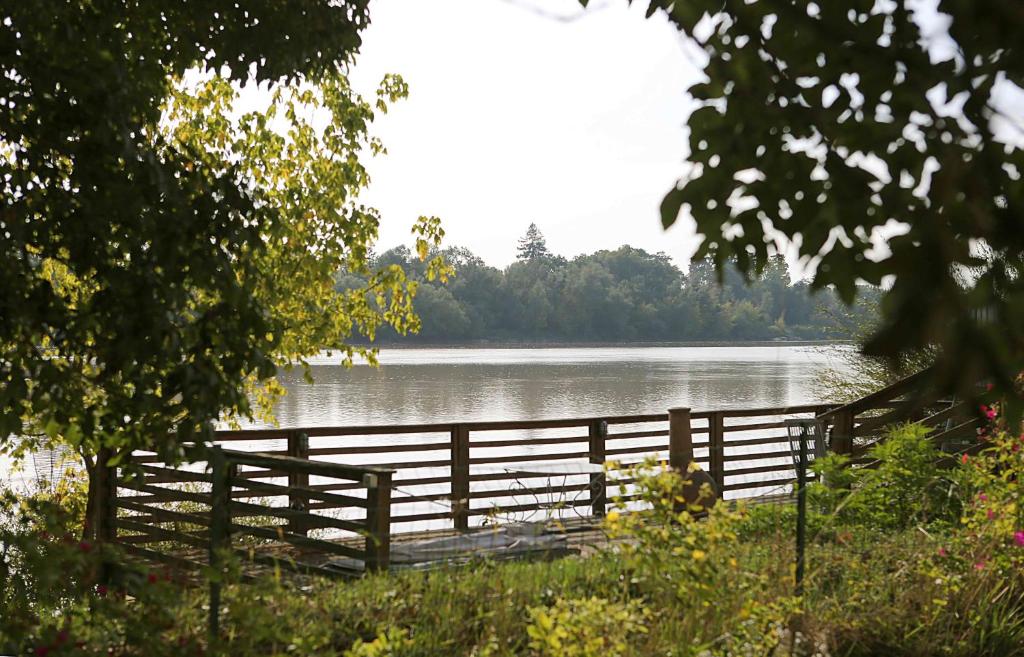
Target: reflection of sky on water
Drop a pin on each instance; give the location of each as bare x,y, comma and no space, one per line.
444,385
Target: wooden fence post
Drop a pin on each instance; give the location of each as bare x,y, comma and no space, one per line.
460,477
220,530
680,445
842,433
680,440
598,432
298,447
378,520
716,451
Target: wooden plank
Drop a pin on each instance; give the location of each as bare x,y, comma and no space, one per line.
757,457
258,510
159,494
280,535
378,449
516,508
516,442
440,515
639,434
680,439
769,440
636,449
173,474
522,458
155,534
758,426
517,492
291,464
759,469
312,492
201,518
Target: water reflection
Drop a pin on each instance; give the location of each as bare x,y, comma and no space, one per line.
448,385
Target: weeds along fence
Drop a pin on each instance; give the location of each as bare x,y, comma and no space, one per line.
295,498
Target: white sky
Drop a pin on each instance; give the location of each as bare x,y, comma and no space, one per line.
514,117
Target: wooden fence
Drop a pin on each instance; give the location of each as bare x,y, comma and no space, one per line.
190,517
287,486
324,493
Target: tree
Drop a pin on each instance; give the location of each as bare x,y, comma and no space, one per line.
163,252
533,246
832,124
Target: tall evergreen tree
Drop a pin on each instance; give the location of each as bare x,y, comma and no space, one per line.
533,246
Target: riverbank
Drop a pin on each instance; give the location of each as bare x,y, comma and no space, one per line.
541,344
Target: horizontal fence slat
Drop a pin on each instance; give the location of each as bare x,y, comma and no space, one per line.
516,492
202,518
159,534
244,509
279,534
440,515
173,474
663,433
379,449
753,456
277,490
293,464
527,457
516,508
516,442
758,426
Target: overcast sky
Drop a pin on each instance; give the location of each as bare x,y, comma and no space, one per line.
514,117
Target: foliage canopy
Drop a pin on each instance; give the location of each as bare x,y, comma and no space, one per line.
162,248
831,124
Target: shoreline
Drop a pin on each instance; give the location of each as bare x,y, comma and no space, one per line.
604,345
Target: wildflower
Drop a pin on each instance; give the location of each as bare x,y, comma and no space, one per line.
991,514
613,516
85,546
942,551
963,459
101,590
983,497
1018,538
151,578
980,565
698,555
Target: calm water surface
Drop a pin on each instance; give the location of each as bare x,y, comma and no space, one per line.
448,385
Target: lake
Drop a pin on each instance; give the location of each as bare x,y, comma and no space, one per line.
453,385
414,386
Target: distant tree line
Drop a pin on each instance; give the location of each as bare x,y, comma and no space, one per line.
625,295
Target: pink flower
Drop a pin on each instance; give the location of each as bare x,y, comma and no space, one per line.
991,514
963,459
1018,538
942,552
983,497
101,590
980,565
